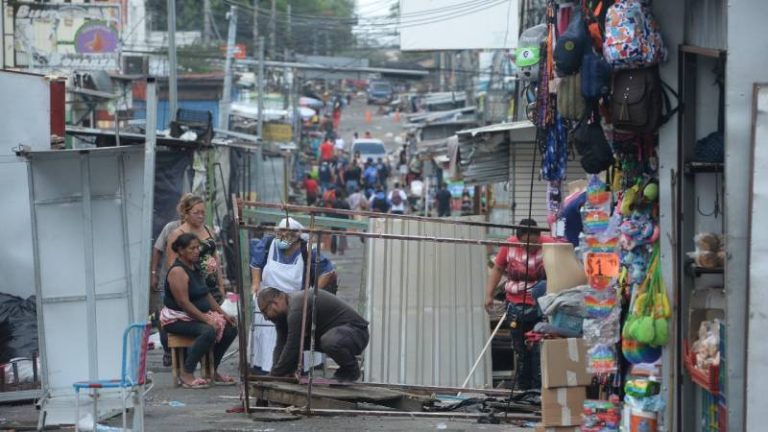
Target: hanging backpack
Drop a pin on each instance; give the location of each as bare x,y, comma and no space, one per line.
589,140
570,102
570,46
638,100
595,76
632,36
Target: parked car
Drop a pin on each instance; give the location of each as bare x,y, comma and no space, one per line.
369,148
380,92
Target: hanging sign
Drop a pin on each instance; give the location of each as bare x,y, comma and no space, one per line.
602,264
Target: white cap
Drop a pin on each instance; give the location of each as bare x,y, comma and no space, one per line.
292,223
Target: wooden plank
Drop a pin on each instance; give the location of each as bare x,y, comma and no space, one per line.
298,399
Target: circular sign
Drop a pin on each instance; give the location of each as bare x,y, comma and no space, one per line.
96,38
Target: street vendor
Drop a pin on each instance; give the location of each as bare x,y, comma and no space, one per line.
340,331
523,267
278,261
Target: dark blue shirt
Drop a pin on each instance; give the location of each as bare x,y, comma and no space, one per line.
571,214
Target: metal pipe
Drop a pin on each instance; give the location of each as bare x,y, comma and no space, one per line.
172,62
401,237
323,210
336,412
226,96
261,87
315,283
148,198
241,310
306,300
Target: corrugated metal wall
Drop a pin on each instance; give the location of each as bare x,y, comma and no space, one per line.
425,305
521,163
705,23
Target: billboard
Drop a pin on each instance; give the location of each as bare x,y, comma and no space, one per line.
63,36
431,25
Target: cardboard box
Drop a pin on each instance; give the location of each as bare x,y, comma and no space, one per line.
542,428
564,363
562,406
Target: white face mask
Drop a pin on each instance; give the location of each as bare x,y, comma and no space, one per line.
283,244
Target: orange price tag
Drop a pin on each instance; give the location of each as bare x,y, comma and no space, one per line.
602,264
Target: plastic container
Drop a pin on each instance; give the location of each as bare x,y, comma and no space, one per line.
643,421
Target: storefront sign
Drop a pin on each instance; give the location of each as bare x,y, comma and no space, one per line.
58,36
278,132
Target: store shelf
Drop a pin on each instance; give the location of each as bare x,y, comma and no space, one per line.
703,167
696,271
708,381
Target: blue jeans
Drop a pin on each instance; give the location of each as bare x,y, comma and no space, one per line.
528,367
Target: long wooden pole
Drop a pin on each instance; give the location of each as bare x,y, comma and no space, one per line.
323,210
315,283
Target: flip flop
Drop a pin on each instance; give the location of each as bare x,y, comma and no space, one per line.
225,381
198,383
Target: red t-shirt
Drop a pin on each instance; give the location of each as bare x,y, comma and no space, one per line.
326,150
513,259
311,186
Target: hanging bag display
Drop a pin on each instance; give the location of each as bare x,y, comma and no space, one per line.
570,102
632,36
589,140
595,76
571,46
639,102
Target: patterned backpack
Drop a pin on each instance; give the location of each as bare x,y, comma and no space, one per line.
632,36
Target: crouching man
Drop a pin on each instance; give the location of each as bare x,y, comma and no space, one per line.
341,332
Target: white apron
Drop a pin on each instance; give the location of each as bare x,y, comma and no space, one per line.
287,278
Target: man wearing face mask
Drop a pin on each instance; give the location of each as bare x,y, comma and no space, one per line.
279,261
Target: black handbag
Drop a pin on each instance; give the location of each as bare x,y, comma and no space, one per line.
589,140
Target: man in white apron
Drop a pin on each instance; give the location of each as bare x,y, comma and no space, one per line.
278,262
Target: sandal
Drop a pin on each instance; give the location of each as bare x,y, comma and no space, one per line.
225,380
198,383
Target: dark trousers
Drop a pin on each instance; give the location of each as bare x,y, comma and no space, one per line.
343,343
205,338
528,368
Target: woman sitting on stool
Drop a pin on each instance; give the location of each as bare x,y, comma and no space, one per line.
190,310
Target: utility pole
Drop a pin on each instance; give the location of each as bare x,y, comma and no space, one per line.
226,96
272,31
255,24
288,30
441,70
260,126
206,21
172,65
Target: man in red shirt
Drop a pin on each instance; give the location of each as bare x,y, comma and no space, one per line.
310,185
326,150
523,267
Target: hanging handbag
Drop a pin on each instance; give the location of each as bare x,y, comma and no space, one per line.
589,140
570,102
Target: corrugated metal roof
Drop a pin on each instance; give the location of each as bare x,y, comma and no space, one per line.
425,306
522,131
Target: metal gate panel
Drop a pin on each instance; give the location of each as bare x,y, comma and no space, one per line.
425,305
87,238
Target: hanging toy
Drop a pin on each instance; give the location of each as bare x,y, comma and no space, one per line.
528,53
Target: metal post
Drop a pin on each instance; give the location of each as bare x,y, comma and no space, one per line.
288,31
255,24
272,30
172,64
206,21
226,96
296,123
261,87
306,298
242,310
148,201
315,283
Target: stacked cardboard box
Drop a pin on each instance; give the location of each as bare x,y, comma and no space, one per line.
564,379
